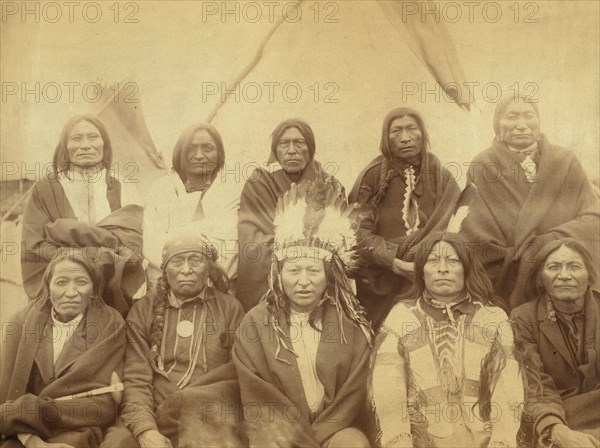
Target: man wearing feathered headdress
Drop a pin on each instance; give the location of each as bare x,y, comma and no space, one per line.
302,353
291,161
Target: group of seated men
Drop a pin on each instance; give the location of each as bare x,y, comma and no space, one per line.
336,321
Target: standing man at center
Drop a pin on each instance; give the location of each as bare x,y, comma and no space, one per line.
291,161
404,194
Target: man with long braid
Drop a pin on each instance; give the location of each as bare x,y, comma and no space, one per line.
405,193
178,357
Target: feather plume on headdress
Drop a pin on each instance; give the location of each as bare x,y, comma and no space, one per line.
313,220
462,209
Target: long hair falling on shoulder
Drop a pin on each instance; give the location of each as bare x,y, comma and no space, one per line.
535,286
315,217
338,293
387,172
477,282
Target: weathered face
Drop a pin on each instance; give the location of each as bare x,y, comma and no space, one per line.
71,290
519,125
304,282
187,274
444,273
405,138
565,279
85,145
201,155
292,151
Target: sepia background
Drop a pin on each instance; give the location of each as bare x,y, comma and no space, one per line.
340,65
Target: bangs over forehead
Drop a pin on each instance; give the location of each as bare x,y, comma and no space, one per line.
77,257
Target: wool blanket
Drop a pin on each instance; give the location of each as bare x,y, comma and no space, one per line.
87,361
273,399
512,219
115,242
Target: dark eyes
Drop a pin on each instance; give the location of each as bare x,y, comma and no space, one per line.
410,128
80,282
193,261
555,267
78,137
297,271
436,260
204,148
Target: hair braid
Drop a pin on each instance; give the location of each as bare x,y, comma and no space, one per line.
491,367
161,292
385,177
218,277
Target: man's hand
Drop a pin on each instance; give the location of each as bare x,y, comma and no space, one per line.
404,268
153,439
564,437
36,442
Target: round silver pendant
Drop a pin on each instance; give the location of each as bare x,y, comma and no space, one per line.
185,329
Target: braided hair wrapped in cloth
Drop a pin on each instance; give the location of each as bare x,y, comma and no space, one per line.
302,353
180,382
444,372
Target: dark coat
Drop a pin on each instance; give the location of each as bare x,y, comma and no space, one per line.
570,388
382,231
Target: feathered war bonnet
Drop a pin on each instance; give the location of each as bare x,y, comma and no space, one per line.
313,220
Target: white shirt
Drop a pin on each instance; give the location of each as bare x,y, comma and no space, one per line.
170,210
305,342
86,194
62,332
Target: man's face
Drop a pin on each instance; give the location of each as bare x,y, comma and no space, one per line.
405,138
443,272
201,155
519,125
292,151
187,274
71,290
85,144
304,282
565,279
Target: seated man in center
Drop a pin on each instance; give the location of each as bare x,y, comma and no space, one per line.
291,161
178,354
302,353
